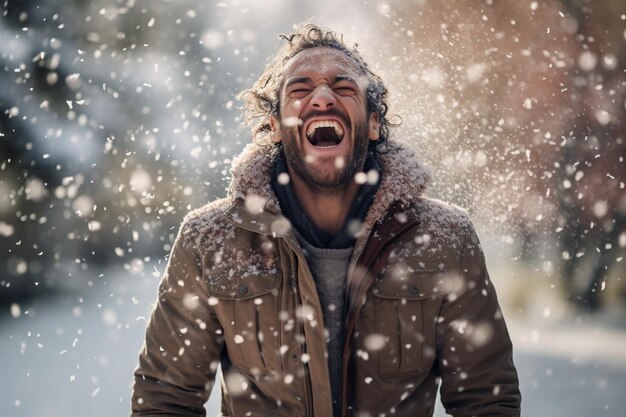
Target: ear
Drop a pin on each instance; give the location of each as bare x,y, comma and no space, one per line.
373,127
275,135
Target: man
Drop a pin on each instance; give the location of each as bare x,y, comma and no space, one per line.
325,284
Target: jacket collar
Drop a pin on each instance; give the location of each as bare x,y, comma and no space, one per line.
256,206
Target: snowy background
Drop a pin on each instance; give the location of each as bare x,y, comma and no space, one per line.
117,117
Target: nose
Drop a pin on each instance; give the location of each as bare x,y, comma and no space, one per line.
323,97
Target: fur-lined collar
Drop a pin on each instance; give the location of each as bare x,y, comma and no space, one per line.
403,179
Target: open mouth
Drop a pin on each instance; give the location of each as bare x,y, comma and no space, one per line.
324,133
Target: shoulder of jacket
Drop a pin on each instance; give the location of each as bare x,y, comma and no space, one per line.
434,213
206,226
443,226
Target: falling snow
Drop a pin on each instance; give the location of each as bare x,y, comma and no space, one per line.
120,131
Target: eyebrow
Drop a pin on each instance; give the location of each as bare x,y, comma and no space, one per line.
297,80
345,78
308,80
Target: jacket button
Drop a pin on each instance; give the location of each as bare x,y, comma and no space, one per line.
413,290
294,357
291,282
243,289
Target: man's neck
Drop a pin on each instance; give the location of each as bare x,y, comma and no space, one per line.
328,211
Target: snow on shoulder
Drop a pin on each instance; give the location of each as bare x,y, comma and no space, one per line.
446,220
205,228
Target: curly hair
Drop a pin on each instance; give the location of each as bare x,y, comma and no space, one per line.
263,99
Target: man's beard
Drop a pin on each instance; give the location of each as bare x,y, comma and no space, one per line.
326,180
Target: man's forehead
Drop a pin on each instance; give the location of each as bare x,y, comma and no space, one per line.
325,60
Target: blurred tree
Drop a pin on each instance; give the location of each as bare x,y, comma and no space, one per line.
521,107
99,112
592,197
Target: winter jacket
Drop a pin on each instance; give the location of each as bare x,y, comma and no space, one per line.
421,310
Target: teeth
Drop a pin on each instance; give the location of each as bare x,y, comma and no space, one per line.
324,123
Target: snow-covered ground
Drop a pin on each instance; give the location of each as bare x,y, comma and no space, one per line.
74,355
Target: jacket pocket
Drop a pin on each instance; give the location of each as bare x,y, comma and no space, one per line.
248,308
405,310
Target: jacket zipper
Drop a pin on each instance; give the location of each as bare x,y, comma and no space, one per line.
348,342
307,373
309,391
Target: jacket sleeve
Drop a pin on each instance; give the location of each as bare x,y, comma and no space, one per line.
183,343
478,377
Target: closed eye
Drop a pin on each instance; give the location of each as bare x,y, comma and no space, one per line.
299,92
344,91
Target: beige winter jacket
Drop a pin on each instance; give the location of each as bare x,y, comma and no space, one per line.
237,291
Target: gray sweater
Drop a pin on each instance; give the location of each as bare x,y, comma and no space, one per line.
330,269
